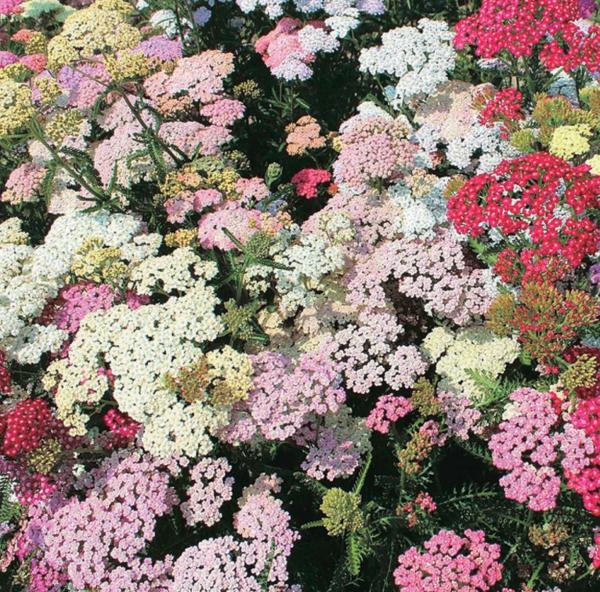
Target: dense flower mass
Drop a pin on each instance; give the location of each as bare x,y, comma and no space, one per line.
299,296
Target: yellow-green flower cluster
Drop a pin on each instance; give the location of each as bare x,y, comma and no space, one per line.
581,373
37,43
16,108
248,89
231,373
341,511
17,72
524,140
99,29
48,89
63,124
44,458
594,163
225,181
569,141
238,319
128,65
95,262
183,237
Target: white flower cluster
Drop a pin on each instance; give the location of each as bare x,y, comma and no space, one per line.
342,15
420,214
140,346
30,276
487,140
176,272
419,58
311,259
473,348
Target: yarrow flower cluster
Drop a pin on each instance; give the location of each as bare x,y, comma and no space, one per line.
294,290
418,58
211,488
526,446
539,201
450,562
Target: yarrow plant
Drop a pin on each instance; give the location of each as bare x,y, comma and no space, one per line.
299,296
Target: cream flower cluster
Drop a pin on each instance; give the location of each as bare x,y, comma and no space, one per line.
473,348
176,272
139,346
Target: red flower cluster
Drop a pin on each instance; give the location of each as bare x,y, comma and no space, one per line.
121,425
538,206
5,387
25,426
515,26
505,108
28,424
587,482
306,181
573,48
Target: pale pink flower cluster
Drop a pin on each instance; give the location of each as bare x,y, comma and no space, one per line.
239,221
435,271
375,148
211,488
225,563
461,417
291,46
90,540
362,349
24,184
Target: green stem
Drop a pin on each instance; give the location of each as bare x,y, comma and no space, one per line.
93,189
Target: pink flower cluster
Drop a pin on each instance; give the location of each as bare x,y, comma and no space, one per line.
282,50
239,221
461,417
435,271
160,47
99,541
450,563
388,409
362,349
226,563
24,184
374,148
83,84
210,489
585,480
8,7
527,444
36,62
306,182
285,394
75,301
